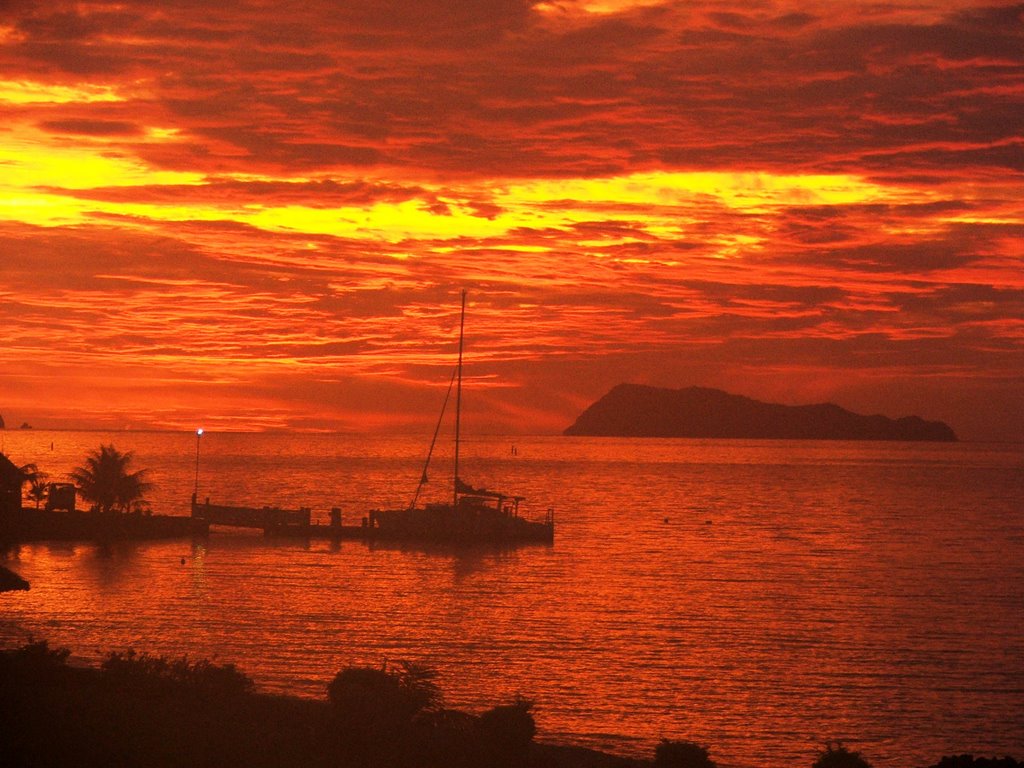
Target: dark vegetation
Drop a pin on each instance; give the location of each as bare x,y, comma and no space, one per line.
106,479
142,710
840,757
682,754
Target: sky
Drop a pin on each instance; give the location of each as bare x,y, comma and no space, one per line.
260,215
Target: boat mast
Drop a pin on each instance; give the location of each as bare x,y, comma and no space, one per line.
458,402
433,441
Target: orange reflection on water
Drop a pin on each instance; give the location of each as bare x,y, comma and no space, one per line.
756,597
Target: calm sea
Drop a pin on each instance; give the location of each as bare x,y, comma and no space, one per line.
761,598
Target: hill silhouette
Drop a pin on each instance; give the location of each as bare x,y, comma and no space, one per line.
635,410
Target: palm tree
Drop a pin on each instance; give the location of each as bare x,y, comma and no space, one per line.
30,474
106,480
38,486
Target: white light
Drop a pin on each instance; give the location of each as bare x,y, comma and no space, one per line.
199,432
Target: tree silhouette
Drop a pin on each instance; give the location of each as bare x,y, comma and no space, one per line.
28,470
38,486
30,474
107,481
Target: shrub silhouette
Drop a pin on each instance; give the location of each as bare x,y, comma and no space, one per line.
384,698
840,757
681,754
35,660
201,677
506,732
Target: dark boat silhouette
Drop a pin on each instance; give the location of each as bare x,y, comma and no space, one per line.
10,581
474,515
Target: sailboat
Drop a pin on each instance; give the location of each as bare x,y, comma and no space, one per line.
474,515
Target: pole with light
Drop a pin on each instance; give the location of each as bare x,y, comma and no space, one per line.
195,489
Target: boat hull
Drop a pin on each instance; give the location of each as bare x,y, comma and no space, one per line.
443,523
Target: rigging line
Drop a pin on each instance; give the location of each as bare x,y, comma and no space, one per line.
458,403
437,429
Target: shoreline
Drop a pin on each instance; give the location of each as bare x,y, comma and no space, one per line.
137,709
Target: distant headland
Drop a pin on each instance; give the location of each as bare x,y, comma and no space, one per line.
635,410
24,425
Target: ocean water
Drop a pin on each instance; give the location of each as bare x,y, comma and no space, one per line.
759,597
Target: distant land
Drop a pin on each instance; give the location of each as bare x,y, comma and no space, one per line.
635,410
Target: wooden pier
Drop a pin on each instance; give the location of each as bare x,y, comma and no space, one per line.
249,517
275,521
494,527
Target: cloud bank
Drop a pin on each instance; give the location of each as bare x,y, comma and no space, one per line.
265,218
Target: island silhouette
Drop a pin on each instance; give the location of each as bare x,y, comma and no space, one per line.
636,410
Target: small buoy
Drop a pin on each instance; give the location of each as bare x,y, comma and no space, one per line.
707,522
666,519
183,561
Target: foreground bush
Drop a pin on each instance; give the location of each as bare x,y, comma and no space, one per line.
506,732
840,757
35,660
682,754
202,677
364,697
141,710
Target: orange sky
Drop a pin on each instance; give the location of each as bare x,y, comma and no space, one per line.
249,218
